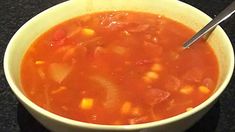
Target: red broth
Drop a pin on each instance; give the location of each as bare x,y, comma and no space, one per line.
118,68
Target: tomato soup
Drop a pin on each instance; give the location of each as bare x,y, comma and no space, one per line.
118,68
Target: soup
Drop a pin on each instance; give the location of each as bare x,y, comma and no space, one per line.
118,68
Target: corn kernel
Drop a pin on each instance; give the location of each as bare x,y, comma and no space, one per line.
39,62
186,89
86,103
156,67
189,108
126,107
152,75
88,32
204,89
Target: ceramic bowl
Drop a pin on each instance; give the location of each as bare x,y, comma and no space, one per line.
173,9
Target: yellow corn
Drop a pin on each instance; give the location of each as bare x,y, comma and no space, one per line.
126,107
39,62
86,103
88,31
156,67
186,89
150,76
204,89
189,108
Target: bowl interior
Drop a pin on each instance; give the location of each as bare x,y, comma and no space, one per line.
175,10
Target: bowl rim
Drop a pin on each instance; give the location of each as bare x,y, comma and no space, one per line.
75,123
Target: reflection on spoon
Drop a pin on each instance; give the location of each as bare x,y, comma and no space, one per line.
226,13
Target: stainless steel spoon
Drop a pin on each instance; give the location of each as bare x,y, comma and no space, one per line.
226,13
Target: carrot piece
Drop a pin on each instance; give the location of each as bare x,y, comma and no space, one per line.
126,107
86,103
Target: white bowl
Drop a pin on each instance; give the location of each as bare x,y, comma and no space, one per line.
173,9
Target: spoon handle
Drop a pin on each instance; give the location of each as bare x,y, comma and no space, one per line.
226,13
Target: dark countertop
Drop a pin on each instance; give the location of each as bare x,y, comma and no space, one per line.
14,118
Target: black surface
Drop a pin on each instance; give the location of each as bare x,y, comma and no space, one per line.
14,118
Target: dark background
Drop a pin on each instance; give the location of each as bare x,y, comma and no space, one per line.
14,118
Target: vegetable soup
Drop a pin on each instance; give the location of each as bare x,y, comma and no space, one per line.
118,68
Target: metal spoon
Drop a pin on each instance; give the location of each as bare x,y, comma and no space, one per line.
226,13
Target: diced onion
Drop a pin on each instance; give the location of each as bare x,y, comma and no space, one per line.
58,72
110,88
